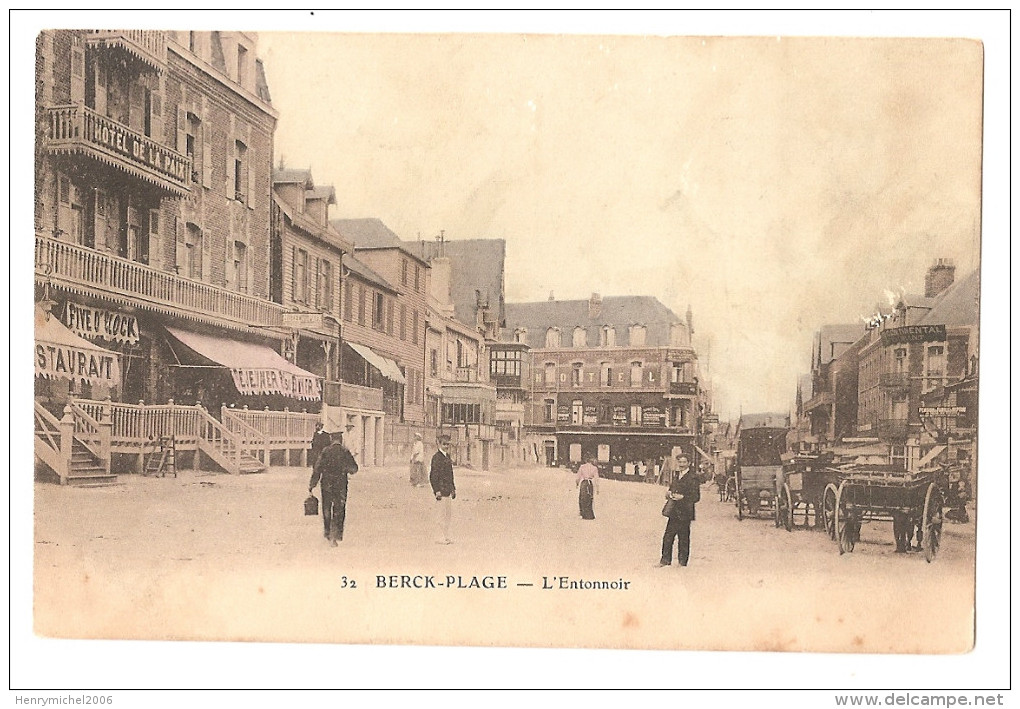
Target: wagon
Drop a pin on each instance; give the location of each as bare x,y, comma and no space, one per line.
806,493
761,442
908,500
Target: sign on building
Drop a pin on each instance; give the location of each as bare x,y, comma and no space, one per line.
914,333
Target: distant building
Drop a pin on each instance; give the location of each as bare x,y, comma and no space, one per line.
831,408
614,377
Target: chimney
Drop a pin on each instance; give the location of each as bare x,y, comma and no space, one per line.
594,306
552,296
442,275
939,277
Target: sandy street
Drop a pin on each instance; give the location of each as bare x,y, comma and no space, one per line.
214,557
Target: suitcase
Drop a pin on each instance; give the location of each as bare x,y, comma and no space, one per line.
311,505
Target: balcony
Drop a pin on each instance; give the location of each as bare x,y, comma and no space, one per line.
352,396
819,400
465,374
82,269
894,380
78,130
893,429
146,46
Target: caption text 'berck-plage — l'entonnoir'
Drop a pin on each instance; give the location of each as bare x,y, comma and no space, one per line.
564,583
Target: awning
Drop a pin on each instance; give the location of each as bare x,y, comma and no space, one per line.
930,456
59,353
256,369
386,366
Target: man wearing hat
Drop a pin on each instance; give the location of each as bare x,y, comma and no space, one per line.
418,462
320,439
441,477
685,492
333,468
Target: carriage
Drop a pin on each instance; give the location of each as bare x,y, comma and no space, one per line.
911,501
806,492
761,443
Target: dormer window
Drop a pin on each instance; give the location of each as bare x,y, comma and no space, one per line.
637,335
552,337
580,337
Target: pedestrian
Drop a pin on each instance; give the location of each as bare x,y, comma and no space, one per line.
441,478
331,471
684,492
418,462
320,439
587,482
666,471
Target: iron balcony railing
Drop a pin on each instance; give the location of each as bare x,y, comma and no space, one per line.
75,128
82,268
894,380
146,45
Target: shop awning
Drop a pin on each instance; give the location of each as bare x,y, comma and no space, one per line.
930,456
255,369
59,353
385,365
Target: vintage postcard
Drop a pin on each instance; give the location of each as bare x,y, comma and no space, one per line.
538,340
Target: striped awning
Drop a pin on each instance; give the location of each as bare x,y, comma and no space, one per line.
386,366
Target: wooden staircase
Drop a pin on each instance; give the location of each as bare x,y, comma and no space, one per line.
231,451
69,456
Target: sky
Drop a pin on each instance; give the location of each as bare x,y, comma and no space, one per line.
774,171
774,184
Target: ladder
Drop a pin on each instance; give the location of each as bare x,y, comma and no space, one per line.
162,461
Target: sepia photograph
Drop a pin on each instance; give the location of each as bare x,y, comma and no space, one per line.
470,349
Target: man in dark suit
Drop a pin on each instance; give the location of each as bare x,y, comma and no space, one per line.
441,478
320,439
685,491
333,468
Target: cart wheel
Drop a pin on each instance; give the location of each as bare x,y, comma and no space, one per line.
932,522
785,505
829,510
844,524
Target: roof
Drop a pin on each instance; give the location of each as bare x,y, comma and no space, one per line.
958,304
830,336
476,265
617,311
368,233
325,192
291,176
261,85
359,268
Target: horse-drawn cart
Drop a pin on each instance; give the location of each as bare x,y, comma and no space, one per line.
801,492
909,500
761,442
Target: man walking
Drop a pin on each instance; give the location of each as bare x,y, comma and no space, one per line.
685,492
333,468
441,478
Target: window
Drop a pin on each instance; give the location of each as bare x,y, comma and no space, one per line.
240,171
900,360
577,374
417,278
414,327
521,335
576,412
362,293
637,335
242,65
378,312
434,362
325,290
300,282
607,336
389,317
240,267
192,265
606,376
934,367
580,337
403,321
348,301
550,410
403,272
550,374
635,414
552,337
635,374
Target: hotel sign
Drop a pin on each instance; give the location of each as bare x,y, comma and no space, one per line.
97,322
914,333
942,410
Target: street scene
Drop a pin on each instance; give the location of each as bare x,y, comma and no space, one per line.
509,341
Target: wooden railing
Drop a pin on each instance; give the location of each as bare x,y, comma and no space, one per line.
93,433
62,261
352,396
276,427
76,127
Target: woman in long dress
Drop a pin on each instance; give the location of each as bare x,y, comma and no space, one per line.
587,482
